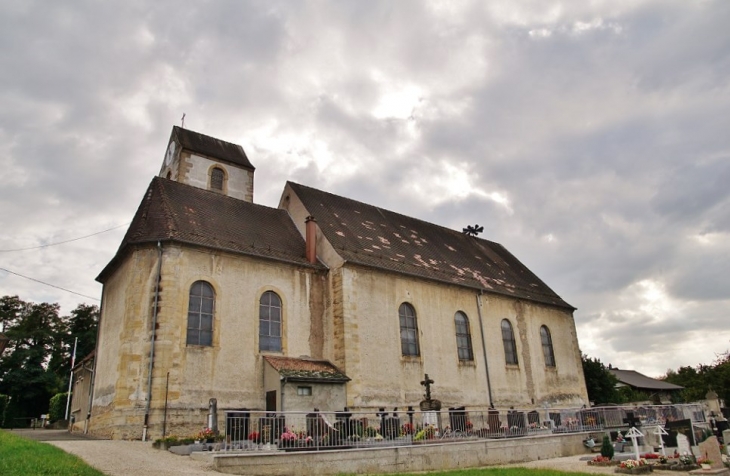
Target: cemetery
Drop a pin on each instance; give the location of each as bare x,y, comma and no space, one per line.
424,437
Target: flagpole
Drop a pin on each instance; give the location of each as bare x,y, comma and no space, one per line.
71,378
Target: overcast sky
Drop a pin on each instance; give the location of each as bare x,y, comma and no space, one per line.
592,139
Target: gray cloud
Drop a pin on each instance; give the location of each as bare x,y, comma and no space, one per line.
589,139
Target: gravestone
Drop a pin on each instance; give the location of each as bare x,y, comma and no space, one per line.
710,449
680,426
726,439
430,407
683,444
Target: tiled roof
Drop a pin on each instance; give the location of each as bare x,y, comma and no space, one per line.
632,378
367,235
171,211
306,369
210,146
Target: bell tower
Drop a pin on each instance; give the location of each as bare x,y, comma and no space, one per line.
205,162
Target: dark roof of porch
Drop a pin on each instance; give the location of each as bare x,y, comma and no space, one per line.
306,370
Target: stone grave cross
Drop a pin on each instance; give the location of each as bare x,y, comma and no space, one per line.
631,420
634,434
659,431
427,383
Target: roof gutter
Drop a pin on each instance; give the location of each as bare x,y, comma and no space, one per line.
152,342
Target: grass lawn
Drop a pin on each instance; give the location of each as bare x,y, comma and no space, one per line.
22,457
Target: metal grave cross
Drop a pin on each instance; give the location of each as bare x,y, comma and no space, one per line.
634,434
659,431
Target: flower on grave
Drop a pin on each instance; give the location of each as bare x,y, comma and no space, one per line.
686,459
469,425
288,435
704,460
663,459
407,429
206,434
601,459
254,436
619,438
630,464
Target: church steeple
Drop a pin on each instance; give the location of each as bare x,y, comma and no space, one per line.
208,163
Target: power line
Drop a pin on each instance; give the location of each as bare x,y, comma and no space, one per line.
48,284
66,241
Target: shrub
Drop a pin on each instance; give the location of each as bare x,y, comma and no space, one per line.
57,406
4,399
607,448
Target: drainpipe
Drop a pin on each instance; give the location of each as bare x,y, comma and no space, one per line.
281,391
484,347
152,343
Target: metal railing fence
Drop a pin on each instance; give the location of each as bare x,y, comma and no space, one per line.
293,431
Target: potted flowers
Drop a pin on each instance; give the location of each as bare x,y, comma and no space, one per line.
206,435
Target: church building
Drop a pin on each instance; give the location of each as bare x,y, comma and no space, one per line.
324,302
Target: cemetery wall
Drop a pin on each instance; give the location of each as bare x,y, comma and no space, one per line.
427,457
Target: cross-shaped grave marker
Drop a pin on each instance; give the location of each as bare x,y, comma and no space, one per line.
631,420
634,434
427,383
659,431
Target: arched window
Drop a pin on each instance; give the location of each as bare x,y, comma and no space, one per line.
270,322
201,307
547,346
508,339
217,177
408,330
463,337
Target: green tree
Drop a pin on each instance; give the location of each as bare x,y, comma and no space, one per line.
37,362
81,325
692,380
600,383
33,331
697,381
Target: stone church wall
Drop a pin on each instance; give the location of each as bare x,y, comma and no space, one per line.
231,370
383,377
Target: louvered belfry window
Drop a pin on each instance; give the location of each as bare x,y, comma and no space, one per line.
216,179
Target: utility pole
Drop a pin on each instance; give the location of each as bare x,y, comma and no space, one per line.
71,378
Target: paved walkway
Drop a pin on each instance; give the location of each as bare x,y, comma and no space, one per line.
123,458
